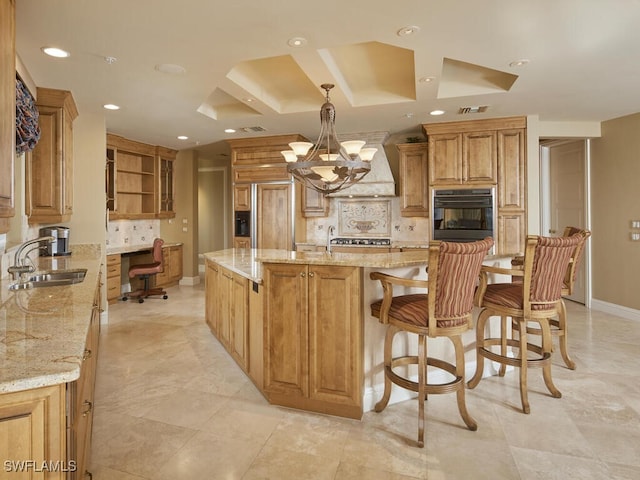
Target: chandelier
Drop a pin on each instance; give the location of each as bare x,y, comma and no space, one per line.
328,165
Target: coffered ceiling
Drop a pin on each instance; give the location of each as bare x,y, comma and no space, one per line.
198,67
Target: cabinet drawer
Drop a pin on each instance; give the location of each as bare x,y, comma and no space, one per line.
113,260
113,270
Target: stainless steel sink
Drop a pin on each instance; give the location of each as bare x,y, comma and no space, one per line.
53,278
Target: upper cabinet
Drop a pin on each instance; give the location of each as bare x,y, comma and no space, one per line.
414,185
49,166
139,180
461,157
7,111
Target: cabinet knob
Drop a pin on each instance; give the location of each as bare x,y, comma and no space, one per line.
86,355
302,274
311,274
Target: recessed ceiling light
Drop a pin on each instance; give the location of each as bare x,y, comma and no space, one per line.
408,30
170,68
55,52
183,137
111,106
519,63
436,112
297,42
426,79
229,130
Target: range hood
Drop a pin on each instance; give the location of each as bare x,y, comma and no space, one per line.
379,181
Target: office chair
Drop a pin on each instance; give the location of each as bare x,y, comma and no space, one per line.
145,271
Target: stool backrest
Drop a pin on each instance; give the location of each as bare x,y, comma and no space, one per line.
576,258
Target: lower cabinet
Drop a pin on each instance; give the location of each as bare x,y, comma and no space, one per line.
227,312
32,428
114,265
313,337
80,398
172,272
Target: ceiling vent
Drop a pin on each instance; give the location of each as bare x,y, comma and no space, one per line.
466,110
252,129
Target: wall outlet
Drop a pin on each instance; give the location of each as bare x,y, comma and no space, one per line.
635,237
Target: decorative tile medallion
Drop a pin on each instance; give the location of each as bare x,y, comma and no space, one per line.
364,218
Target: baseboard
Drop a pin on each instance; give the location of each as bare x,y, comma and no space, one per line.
190,281
617,310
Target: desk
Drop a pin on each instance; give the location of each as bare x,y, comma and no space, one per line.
120,258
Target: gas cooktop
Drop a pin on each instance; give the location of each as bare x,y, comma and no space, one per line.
383,242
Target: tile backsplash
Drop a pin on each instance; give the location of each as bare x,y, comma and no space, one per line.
132,232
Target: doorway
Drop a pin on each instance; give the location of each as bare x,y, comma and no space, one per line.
565,193
212,211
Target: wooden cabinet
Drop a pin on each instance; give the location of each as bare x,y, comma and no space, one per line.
485,152
227,310
242,198
114,265
314,203
166,189
212,289
7,111
274,216
172,273
462,158
242,243
81,399
49,166
512,177
139,180
32,427
414,183
313,337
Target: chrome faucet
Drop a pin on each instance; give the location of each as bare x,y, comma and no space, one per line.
19,267
329,233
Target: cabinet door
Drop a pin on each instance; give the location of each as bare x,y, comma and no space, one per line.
445,159
32,427
166,208
274,216
7,112
45,166
479,153
414,184
335,335
175,263
225,280
511,169
212,287
242,198
314,203
286,330
241,243
511,233
164,277
239,333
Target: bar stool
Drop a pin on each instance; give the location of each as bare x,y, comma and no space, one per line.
444,311
536,298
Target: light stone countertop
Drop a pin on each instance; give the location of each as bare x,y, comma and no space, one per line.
247,262
120,249
43,330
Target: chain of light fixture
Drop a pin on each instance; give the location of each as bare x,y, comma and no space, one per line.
328,165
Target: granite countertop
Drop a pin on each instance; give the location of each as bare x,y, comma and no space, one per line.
119,249
43,331
248,262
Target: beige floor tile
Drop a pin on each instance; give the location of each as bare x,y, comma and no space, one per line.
172,404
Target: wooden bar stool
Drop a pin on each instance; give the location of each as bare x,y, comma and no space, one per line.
444,311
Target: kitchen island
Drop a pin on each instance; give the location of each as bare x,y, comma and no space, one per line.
299,323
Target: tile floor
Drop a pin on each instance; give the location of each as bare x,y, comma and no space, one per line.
171,404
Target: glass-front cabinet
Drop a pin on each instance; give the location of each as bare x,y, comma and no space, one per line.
166,158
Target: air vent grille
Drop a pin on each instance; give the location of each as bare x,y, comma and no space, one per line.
478,109
253,129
